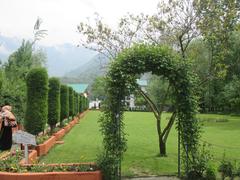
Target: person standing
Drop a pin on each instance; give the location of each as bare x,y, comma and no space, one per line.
7,122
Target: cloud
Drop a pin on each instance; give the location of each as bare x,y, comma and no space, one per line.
61,17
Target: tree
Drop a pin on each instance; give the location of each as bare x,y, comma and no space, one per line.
64,99
71,101
37,101
14,73
217,22
53,102
98,88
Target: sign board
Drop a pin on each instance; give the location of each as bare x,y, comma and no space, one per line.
22,137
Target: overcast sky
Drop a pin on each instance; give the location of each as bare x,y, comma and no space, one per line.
61,17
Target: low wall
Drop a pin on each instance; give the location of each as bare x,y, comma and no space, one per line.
94,175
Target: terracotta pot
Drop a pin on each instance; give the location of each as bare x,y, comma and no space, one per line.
93,175
43,149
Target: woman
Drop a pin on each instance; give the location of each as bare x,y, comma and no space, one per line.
7,121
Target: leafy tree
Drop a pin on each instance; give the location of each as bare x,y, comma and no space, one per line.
53,102
98,88
14,73
37,101
217,22
156,90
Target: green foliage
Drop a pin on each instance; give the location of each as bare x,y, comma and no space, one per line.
226,169
159,91
64,99
98,88
13,74
200,167
76,98
53,102
37,101
71,101
121,78
231,95
80,103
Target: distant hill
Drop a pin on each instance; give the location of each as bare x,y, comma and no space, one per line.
64,58
87,72
60,58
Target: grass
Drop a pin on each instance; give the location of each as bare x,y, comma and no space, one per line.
83,143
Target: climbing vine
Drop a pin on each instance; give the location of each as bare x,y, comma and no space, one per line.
121,80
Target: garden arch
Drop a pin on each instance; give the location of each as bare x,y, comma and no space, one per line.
121,79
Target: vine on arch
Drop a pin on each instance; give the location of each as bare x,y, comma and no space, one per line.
121,79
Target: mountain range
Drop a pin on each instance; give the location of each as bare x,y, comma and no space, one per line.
87,72
61,59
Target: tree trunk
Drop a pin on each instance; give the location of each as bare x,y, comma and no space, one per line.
162,146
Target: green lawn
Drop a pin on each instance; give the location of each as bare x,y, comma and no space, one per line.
84,142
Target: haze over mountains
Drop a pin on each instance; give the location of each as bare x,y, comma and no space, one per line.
62,60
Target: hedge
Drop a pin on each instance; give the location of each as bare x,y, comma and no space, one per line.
64,99
53,102
71,101
37,101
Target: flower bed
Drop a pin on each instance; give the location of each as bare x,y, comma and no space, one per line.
32,157
59,134
10,169
43,149
67,128
95,175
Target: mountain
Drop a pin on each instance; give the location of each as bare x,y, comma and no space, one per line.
60,58
64,58
87,72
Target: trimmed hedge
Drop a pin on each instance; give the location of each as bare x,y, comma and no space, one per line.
76,103
64,99
53,102
37,101
71,101
81,104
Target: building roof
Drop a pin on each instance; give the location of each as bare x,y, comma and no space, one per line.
142,82
79,88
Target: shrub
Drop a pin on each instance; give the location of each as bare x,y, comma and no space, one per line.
64,99
210,174
77,103
71,101
226,169
37,100
200,167
53,102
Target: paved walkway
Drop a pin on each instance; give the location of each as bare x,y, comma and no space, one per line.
153,178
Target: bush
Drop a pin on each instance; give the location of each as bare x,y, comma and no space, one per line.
53,102
200,167
71,101
226,169
210,174
80,103
76,103
37,101
64,99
